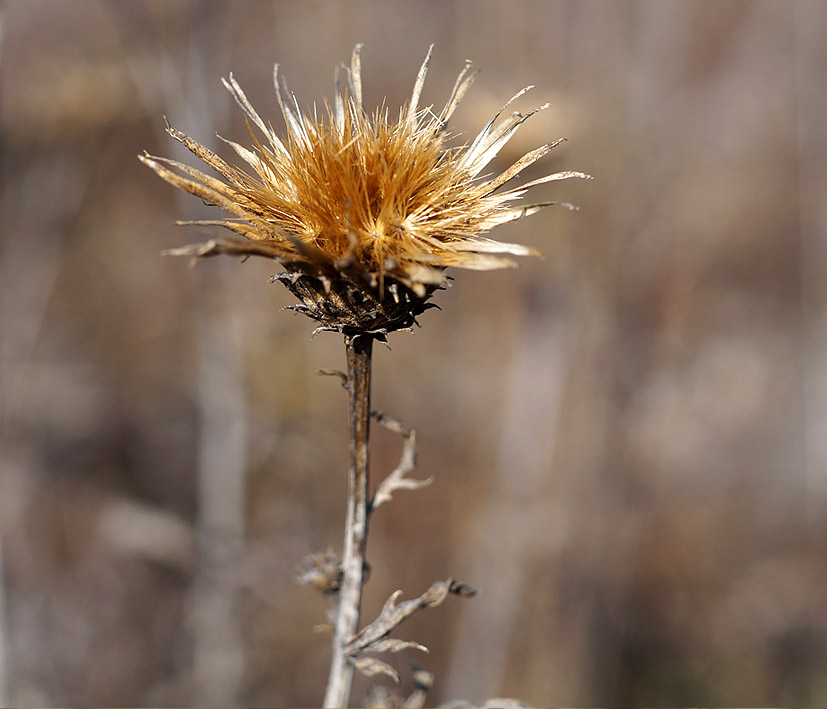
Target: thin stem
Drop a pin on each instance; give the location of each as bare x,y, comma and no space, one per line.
340,680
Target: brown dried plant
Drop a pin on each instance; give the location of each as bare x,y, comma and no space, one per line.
365,212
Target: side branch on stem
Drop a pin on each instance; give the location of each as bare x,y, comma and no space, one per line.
397,480
373,637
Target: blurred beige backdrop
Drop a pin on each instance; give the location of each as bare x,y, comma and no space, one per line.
629,437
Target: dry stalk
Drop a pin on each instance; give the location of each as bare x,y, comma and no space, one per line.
352,649
340,680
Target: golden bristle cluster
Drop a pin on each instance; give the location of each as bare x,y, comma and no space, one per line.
364,211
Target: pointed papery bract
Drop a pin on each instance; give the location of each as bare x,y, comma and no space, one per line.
364,211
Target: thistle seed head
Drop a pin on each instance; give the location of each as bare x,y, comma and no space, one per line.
363,210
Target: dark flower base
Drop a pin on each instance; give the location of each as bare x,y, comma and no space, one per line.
354,309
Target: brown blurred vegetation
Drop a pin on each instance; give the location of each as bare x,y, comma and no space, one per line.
629,437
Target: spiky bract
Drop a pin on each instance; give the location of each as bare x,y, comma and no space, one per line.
364,211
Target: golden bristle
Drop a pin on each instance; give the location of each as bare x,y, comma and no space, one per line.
364,211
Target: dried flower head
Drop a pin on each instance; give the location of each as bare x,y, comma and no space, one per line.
364,211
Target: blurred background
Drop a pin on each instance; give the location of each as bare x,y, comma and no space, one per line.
629,437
